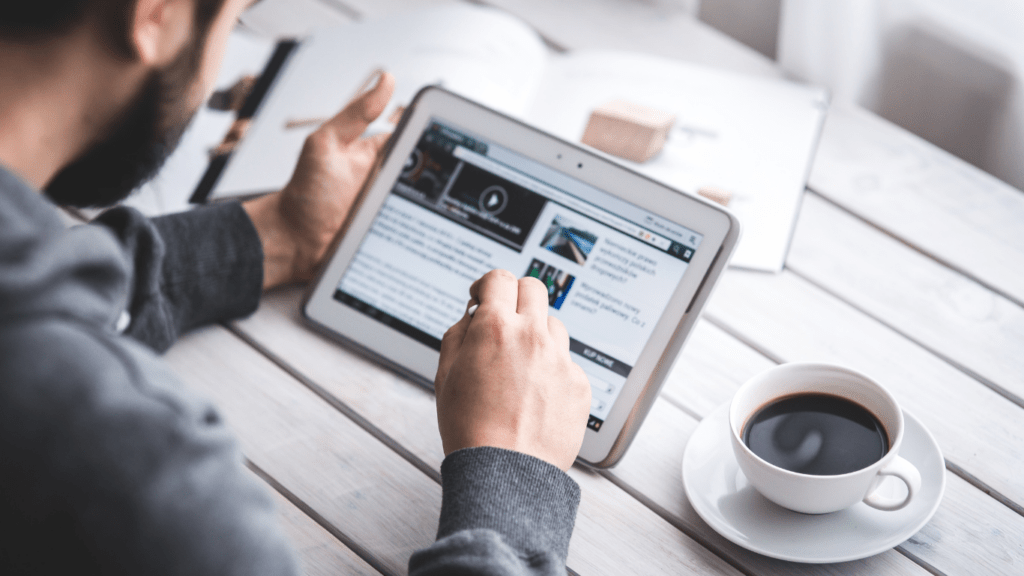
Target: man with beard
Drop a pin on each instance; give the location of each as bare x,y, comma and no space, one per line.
106,465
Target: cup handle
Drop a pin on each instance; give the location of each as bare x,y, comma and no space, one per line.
906,472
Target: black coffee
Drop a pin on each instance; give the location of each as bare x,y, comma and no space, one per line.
816,434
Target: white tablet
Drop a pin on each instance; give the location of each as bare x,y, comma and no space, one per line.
462,190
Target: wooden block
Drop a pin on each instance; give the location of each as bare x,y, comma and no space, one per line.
716,194
628,130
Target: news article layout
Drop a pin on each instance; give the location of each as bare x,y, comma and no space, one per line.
462,207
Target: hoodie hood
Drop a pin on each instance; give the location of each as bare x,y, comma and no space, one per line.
49,269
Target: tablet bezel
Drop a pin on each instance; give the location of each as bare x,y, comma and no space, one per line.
414,359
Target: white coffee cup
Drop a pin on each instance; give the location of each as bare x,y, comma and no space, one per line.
812,494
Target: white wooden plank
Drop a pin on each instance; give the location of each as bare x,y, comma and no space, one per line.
320,552
924,195
792,320
970,534
940,308
615,534
357,483
710,369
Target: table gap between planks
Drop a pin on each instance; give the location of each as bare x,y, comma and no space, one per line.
870,283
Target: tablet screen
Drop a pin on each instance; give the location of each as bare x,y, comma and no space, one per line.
463,206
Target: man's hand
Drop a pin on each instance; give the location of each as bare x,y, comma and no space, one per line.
505,378
297,224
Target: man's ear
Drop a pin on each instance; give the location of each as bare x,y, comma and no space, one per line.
160,29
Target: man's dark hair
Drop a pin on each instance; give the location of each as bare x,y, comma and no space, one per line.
29,20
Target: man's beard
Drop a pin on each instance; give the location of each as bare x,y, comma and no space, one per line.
137,144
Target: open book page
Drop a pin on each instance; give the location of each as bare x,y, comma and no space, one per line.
750,136
481,53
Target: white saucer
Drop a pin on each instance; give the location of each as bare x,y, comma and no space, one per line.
721,496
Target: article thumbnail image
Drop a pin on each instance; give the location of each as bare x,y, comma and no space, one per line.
557,281
428,168
494,205
568,241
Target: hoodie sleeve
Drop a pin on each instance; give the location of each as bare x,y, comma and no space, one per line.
503,513
188,269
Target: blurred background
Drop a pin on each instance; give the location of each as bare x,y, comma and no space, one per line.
949,71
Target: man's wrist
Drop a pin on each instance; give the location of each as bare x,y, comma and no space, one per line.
281,254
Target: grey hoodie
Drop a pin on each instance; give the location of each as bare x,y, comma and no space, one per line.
108,466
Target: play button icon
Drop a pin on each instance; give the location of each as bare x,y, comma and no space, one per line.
493,199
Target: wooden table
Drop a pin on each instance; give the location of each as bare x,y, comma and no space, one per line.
907,264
